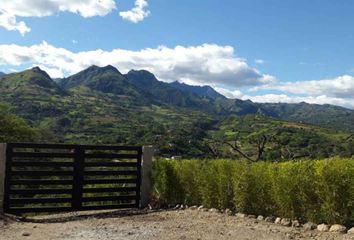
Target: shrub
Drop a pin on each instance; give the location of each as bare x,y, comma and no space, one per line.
320,191
335,190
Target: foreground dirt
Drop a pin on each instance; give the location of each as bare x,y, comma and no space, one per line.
173,224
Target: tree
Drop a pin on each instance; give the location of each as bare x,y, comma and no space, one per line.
13,128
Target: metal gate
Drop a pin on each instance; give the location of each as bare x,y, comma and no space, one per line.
55,178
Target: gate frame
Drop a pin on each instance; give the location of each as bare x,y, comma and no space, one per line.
145,175
3,147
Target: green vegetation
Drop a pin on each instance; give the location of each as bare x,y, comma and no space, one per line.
262,138
13,128
319,191
102,106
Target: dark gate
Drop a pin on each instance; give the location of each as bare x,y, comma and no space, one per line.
54,178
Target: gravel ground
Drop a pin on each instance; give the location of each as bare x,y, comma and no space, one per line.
172,224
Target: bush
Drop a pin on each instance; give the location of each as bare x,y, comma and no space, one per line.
320,191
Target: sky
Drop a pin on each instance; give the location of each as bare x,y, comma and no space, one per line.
263,50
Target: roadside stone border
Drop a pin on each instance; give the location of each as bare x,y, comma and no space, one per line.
308,226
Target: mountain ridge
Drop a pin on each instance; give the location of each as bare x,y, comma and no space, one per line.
203,91
142,88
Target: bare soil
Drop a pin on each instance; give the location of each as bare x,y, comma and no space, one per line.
171,224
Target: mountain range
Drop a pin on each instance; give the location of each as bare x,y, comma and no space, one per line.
102,105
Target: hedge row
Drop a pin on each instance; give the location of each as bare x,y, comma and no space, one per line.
319,191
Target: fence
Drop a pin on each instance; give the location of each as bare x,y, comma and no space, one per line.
55,177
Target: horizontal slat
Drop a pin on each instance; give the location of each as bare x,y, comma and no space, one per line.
42,155
43,209
42,173
41,191
111,155
111,164
105,173
108,147
117,189
39,200
40,182
70,146
108,198
102,207
42,145
110,181
42,164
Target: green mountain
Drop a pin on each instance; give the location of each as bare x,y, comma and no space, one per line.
326,115
202,91
101,105
166,93
106,80
2,74
32,82
190,97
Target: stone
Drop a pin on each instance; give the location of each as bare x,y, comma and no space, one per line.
26,234
228,211
285,222
277,220
213,210
260,218
309,226
177,206
337,228
200,207
252,216
193,208
289,236
351,231
323,227
295,224
240,215
269,219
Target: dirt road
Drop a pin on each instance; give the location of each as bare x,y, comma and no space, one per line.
172,224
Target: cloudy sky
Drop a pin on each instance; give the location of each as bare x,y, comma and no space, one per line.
263,50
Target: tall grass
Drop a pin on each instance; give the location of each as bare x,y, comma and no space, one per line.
319,191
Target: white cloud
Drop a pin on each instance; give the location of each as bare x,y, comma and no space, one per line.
284,98
322,99
9,23
138,13
206,64
11,9
342,87
229,93
259,61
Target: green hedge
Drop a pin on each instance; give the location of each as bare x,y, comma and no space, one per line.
319,191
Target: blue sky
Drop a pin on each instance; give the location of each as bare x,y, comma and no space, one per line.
265,50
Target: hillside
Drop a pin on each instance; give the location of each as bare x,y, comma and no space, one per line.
329,116
170,94
105,80
101,105
202,91
33,82
264,138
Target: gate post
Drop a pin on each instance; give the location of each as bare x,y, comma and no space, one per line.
2,175
146,185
